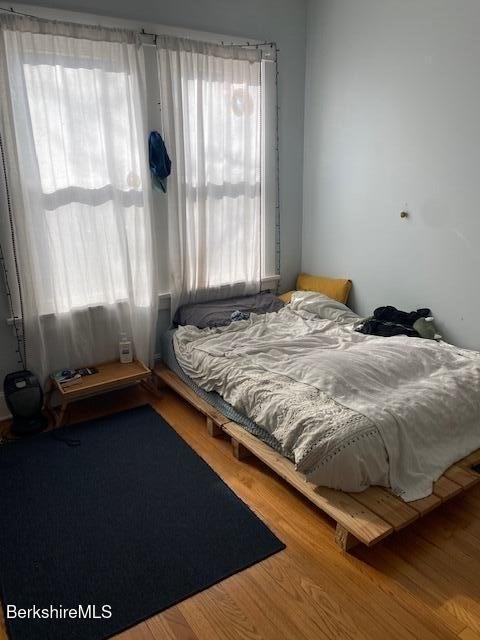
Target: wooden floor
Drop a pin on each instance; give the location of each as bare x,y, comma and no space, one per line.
423,582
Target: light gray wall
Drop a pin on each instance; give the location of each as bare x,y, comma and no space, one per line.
392,121
279,20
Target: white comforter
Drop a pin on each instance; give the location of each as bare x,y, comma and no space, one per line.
320,387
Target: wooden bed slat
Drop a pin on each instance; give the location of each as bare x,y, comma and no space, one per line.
357,519
462,476
387,506
469,461
445,488
425,505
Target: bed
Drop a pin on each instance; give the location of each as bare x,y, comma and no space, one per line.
345,418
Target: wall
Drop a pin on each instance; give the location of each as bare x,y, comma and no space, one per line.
392,121
279,20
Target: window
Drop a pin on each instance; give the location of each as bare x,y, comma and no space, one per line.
212,113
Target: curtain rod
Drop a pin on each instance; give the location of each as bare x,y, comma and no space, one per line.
18,13
247,44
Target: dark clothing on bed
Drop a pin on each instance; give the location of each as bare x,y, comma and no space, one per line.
389,321
407,318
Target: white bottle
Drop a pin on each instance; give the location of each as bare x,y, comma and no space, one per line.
126,351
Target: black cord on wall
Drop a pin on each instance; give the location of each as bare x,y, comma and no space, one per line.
19,336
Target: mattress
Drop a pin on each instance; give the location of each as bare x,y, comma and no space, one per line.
213,398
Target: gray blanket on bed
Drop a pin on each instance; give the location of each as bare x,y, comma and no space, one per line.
218,313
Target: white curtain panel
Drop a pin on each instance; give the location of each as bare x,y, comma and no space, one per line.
211,115
73,120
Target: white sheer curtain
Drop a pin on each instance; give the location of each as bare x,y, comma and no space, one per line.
73,120
211,115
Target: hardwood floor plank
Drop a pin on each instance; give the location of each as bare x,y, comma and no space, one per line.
258,594
468,634
459,592
3,629
231,621
423,594
321,599
171,625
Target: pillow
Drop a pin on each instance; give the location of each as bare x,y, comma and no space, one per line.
324,307
335,288
286,297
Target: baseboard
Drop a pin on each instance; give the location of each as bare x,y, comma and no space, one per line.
4,412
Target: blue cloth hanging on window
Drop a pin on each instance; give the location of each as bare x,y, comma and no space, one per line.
160,163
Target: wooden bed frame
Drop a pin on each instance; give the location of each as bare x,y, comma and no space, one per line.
365,517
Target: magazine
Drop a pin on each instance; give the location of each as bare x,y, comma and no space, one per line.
69,377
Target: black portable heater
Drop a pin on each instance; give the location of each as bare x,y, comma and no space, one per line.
24,399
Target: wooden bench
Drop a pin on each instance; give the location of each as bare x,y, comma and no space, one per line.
366,517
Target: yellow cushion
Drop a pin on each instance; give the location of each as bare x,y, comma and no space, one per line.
286,297
335,288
